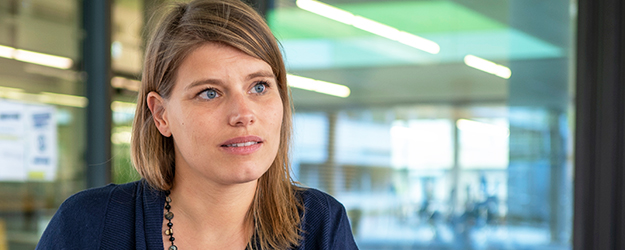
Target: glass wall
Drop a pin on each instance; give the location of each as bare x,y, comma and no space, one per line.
42,119
127,58
457,130
452,127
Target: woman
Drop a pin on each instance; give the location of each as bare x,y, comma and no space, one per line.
211,140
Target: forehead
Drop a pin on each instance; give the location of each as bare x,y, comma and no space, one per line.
217,58
216,63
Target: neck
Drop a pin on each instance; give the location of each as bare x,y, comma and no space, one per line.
210,215
212,206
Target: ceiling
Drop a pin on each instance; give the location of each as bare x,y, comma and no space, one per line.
531,37
380,71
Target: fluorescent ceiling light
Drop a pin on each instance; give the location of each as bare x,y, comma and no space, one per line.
6,52
17,94
43,59
63,99
127,107
7,89
44,97
368,25
487,66
318,86
482,128
326,10
11,93
125,83
374,27
35,57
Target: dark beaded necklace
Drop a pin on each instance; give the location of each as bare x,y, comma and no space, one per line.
168,216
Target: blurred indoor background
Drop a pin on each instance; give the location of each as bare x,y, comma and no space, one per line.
445,124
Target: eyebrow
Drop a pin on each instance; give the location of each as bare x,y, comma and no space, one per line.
263,73
213,81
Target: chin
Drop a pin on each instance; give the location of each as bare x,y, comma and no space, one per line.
248,174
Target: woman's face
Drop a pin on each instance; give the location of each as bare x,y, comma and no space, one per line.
224,113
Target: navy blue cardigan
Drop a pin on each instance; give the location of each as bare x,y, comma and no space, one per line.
130,216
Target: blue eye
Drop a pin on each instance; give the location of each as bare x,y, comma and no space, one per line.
259,88
209,94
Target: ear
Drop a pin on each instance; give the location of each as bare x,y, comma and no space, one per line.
156,103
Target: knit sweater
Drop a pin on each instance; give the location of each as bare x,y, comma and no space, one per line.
130,216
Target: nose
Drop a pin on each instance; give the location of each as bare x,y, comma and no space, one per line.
241,112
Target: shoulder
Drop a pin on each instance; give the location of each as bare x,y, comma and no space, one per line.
79,221
325,224
320,208
93,202
90,202
318,201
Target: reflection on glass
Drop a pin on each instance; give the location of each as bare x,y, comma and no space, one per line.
468,148
42,119
454,183
422,144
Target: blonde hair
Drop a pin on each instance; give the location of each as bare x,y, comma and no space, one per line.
276,207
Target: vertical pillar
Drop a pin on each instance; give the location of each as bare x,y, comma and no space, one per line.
97,66
455,170
559,183
599,221
329,170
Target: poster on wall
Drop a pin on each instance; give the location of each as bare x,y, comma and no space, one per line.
12,150
28,142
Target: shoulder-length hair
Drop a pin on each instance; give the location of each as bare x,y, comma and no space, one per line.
275,208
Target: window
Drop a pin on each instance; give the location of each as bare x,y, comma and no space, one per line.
42,118
457,132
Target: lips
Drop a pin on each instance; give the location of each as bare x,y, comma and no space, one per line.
243,141
244,145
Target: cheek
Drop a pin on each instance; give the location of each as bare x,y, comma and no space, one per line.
277,116
190,127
